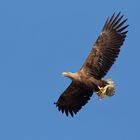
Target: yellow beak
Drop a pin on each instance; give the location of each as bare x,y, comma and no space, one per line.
64,73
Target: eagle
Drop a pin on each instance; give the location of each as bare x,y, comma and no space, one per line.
88,79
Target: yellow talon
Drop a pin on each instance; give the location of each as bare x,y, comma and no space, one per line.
101,92
108,90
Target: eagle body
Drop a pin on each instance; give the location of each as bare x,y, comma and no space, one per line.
89,78
85,80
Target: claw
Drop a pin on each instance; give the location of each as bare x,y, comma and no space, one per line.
101,92
108,90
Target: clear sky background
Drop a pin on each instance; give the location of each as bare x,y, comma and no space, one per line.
41,39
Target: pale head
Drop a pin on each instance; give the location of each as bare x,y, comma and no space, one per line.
70,75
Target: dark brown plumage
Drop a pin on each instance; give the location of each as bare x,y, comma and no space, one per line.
101,58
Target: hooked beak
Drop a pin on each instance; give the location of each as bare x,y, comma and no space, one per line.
64,73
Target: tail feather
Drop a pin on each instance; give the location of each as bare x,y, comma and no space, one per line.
110,88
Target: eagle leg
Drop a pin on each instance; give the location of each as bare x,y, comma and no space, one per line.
107,90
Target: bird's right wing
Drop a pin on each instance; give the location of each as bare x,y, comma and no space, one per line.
73,98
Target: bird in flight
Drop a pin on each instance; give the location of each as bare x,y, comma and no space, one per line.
89,78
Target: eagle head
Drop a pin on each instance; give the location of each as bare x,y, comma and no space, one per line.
70,75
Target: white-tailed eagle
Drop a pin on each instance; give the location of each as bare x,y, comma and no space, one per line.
89,78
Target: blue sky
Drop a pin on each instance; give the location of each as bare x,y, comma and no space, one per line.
41,39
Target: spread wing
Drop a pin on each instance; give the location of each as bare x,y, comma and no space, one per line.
106,47
73,98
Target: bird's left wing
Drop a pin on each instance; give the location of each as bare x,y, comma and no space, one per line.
73,98
106,47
